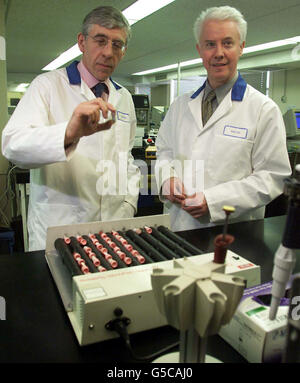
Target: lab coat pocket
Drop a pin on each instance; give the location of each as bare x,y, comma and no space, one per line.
56,214
45,215
229,158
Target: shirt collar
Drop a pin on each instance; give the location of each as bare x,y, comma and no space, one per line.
86,76
222,90
238,88
75,74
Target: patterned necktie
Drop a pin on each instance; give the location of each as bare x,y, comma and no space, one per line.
99,89
207,109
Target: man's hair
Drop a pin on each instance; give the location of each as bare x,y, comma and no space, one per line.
221,13
107,17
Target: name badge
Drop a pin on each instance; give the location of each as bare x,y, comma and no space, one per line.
234,131
124,117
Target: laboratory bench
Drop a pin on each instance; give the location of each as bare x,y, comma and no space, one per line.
37,328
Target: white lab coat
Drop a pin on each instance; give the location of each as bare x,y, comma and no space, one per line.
243,149
86,185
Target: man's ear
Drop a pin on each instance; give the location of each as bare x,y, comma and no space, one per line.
124,52
242,46
81,42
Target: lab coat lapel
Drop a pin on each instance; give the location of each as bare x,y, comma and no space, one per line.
195,108
86,91
114,95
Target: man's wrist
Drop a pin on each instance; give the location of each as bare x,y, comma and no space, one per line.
70,140
71,143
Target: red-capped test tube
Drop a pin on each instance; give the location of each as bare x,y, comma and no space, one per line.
81,263
103,235
109,258
124,257
129,247
67,240
87,249
81,240
122,240
94,259
138,256
148,229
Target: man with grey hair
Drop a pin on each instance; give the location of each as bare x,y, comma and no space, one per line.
74,129
225,143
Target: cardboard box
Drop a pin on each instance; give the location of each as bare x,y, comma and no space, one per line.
251,332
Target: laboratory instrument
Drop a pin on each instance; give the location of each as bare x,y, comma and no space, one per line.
142,110
292,125
285,256
94,300
292,348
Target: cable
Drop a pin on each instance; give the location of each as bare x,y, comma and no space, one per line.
120,326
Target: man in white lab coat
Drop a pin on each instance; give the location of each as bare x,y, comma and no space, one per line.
81,167
227,151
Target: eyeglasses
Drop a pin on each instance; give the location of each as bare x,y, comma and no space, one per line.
102,41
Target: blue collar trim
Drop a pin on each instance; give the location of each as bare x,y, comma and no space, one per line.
115,84
74,75
237,93
238,89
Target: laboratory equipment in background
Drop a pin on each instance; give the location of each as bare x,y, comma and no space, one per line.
142,108
285,256
156,117
292,125
150,148
13,103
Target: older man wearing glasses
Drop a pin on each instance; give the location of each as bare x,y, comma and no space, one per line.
74,129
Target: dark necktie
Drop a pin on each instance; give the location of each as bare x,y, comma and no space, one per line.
207,109
99,89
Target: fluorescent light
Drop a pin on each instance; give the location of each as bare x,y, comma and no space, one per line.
65,57
273,44
255,48
191,62
22,87
143,8
160,69
134,13
168,67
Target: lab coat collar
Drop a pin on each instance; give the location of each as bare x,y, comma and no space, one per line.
237,93
74,75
